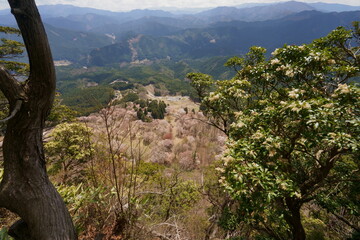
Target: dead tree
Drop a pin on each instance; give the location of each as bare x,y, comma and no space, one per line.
25,188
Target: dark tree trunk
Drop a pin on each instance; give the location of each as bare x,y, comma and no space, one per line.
26,189
294,219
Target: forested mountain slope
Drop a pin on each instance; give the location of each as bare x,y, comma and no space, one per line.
225,38
85,35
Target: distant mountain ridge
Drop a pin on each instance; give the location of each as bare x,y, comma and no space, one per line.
228,38
100,37
85,19
332,7
94,19
257,13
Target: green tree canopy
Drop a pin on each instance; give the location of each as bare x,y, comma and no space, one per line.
60,113
11,51
293,128
69,148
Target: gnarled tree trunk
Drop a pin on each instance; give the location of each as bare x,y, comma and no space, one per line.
25,188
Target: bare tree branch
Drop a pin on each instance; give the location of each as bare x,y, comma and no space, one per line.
347,222
10,86
13,113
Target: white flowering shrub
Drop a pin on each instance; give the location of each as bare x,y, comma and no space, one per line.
292,123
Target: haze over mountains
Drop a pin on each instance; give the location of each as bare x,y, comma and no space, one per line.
98,37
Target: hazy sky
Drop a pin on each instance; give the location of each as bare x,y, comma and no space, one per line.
125,5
